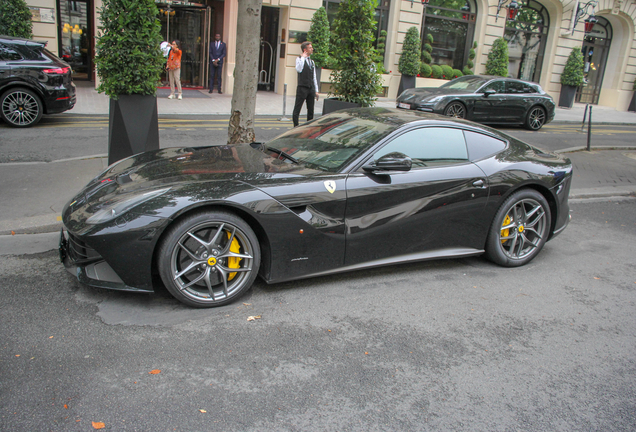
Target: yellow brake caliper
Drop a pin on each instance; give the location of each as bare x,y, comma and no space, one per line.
233,262
505,232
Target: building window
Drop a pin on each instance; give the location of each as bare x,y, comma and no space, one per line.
452,25
526,37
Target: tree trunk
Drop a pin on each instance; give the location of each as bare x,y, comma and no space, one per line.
248,32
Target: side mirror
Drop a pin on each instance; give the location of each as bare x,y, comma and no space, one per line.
390,162
489,92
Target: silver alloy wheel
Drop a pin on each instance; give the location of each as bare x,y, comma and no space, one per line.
536,118
211,262
456,110
523,229
21,108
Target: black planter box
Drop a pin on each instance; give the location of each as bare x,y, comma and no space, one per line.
566,98
406,82
133,126
332,104
632,104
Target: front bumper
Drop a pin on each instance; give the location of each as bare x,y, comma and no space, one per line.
88,266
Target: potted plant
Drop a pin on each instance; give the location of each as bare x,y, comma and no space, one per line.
319,35
15,19
470,63
129,63
497,63
632,104
356,82
571,78
409,63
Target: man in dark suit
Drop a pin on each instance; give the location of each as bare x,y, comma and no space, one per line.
217,54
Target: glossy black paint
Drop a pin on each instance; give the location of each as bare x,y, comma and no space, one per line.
487,107
56,91
304,227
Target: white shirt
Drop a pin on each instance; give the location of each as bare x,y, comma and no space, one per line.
300,64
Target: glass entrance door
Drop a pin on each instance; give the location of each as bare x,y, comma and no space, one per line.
75,38
190,25
595,49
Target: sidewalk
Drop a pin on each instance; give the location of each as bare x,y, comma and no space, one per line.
268,103
34,193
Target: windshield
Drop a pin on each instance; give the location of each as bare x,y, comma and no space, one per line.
471,83
330,142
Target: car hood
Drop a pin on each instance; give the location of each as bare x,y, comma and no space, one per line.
425,94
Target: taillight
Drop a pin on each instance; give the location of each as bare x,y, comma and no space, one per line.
57,70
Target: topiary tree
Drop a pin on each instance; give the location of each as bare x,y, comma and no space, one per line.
409,63
381,47
497,63
15,19
357,79
573,72
319,35
425,70
447,72
457,73
436,71
128,57
471,56
427,49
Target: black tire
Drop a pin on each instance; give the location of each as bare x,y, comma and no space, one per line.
455,109
209,259
20,107
536,118
519,230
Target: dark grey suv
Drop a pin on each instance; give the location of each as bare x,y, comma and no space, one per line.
33,81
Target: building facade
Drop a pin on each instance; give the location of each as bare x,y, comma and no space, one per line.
540,38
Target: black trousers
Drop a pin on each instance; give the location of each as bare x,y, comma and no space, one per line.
215,71
304,94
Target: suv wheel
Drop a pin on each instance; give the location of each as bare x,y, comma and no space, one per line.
20,107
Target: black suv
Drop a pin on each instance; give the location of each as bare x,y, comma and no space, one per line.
33,81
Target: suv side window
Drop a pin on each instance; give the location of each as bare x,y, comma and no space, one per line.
429,146
481,146
518,87
7,53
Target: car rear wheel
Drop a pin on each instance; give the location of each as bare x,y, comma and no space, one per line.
20,107
536,118
209,259
519,230
455,109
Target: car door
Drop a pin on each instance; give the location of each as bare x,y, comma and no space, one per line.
435,207
6,55
489,108
517,100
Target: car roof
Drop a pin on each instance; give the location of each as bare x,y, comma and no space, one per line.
22,41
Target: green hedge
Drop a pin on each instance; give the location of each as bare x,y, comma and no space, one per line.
425,70
497,63
573,72
409,64
15,19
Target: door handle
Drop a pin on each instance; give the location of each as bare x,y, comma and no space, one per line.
479,183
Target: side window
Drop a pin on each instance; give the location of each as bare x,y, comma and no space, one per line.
515,87
9,54
498,86
481,146
429,146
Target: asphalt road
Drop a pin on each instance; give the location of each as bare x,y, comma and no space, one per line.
459,345
71,136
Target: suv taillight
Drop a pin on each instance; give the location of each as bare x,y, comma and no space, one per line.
57,70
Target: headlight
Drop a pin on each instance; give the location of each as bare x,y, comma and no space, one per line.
433,100
118,208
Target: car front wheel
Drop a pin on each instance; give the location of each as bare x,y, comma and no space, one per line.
455,109
536,118
209,259
519,230
20,107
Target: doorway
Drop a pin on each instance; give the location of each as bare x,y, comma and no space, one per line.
191,26
595,49
269,46
75,37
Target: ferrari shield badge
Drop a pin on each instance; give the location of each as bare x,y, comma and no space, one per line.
330,185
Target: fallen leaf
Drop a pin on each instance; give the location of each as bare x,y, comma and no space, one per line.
597,278
98,425
366,353
50,337
247,304
12,232
17,355
253,318
65,406
154,371
203,411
